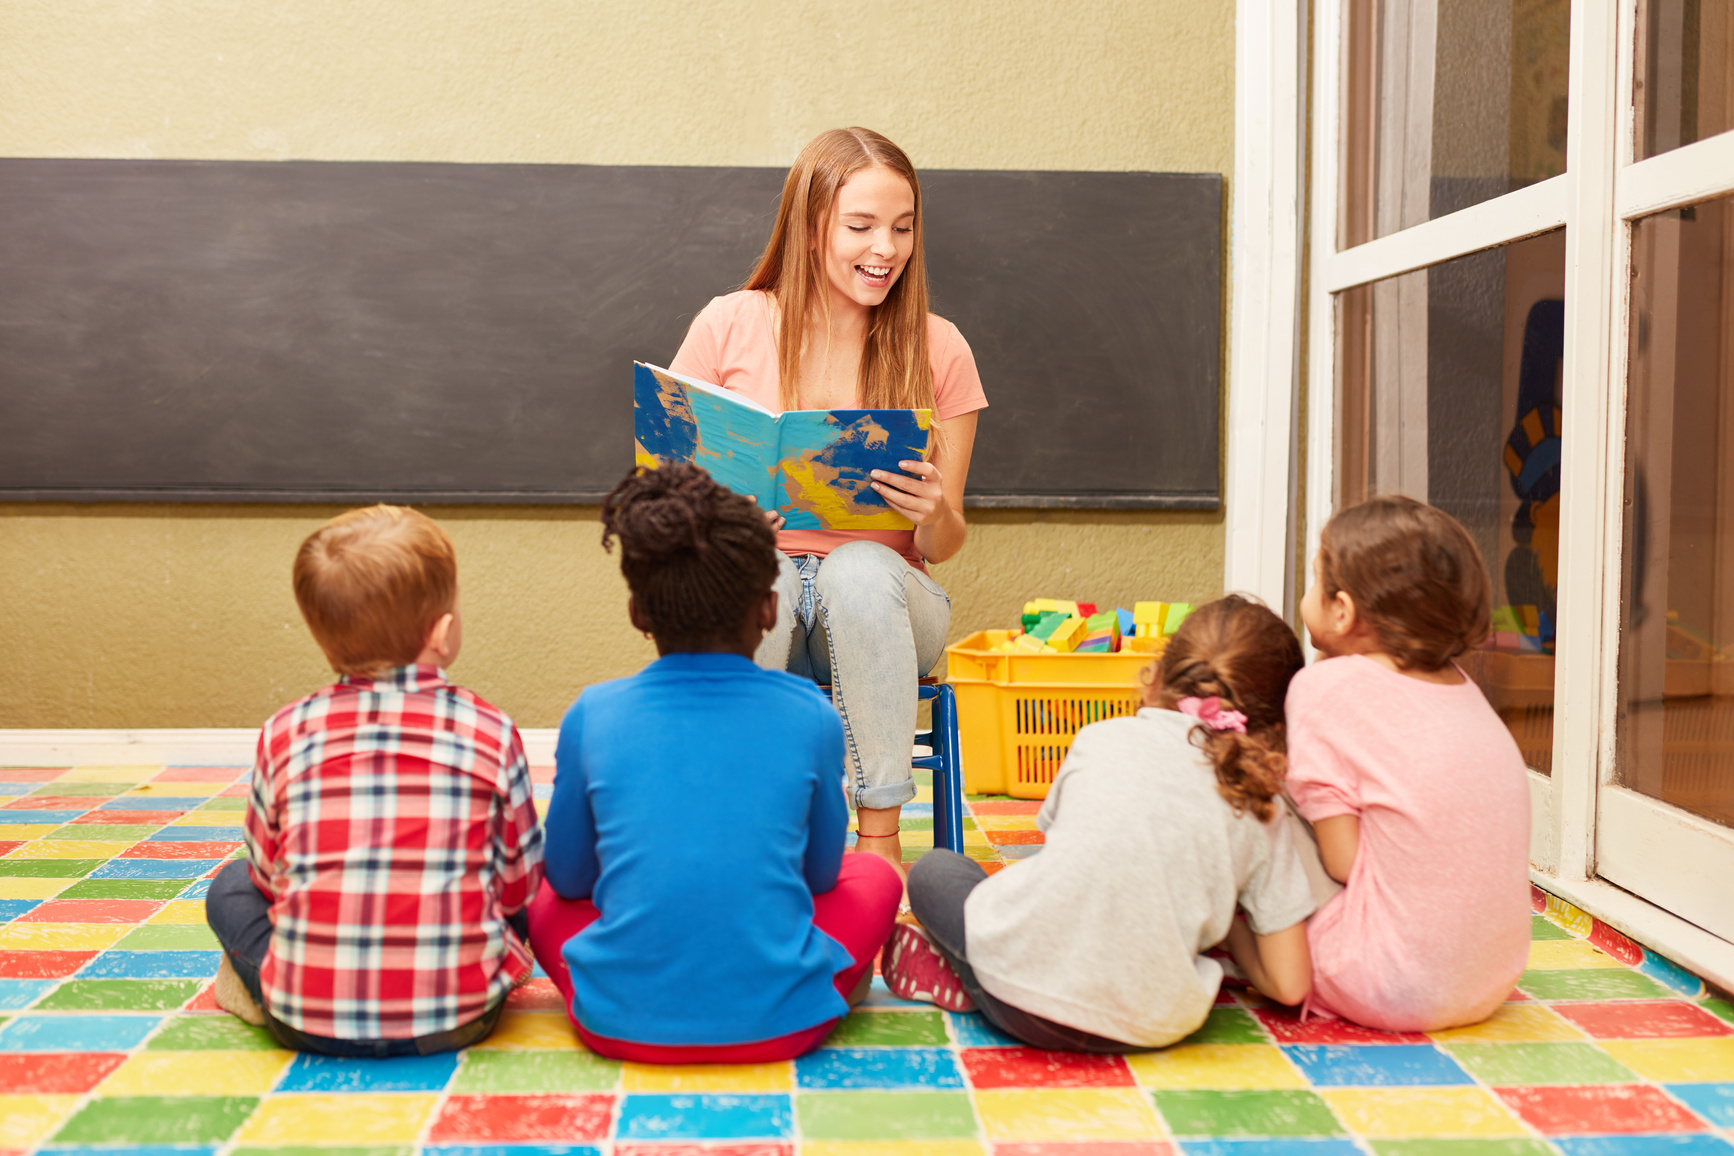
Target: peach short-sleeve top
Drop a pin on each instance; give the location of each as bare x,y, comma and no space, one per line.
732,343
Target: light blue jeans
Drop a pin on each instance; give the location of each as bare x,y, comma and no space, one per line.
870,624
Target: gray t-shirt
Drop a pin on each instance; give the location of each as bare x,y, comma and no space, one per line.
1143,866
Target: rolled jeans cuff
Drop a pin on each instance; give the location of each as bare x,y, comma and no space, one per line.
881,795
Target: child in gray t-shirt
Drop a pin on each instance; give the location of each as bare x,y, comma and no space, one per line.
1158,826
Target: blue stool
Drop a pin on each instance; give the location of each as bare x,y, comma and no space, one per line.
943,759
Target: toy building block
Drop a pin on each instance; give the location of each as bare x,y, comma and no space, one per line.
1067,635
1531,620
1086,610
1505,620
1128,624
1174,615
1148,613
1050,622
1145,644
1028,644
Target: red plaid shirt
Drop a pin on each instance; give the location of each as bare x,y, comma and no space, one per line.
393,826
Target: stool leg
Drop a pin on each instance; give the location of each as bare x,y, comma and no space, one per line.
948,777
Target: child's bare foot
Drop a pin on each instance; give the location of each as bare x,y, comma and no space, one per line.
233,997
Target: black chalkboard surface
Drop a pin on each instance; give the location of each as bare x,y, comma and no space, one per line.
307,331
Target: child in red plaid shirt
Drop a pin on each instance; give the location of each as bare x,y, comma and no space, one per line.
392,840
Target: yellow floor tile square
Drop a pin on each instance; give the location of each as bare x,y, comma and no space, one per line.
61,936
109,774
708,1077
1513,1023
180,911
1388,1113
355,1119
520,1030
890,1148
177,790
1676,1061
72,849
923,795
26,1121
1573,919
213,1073
1216,1066
974,839
1006,822
27,830
33,888
1067,1114
1553,954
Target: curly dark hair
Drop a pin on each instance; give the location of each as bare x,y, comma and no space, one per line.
1236,650
696,555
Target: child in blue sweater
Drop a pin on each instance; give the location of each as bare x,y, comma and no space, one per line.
698,906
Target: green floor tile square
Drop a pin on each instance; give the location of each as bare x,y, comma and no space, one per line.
157,1120
922,778
125,889
1719,1007
83,790
1591,983
1510,1147
120,995
1540,927
978,852
871,1029
48,868
104,832
1509,1064
1262,1113
885,1116
170,937
491,1072
1228,1025
223,805
205,1033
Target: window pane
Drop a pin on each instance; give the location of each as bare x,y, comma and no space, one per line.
1447,105
1677,658
1449,391
1683,91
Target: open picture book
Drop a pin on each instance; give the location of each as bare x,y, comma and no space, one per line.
813,466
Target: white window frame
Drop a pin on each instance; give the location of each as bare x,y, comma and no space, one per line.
1597,197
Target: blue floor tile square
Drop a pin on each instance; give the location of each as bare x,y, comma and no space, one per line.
154,868
973,1031
25,816
197,835
11,909
397,1074
71,1033
18,994
8,789
879,995
1272,1147
1676,1144
711,1117
878,1068
152,803
196,891
917,810
1714,1102
1018,850
152,965
1376,1065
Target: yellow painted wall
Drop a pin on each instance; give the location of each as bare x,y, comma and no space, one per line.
121,615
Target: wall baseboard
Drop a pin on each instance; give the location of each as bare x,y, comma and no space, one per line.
202,747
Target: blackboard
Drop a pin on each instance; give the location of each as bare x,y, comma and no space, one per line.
310,331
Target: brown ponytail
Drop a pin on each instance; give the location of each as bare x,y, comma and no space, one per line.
1236,650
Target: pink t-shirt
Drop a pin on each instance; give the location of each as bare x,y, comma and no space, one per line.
1432,930
732,344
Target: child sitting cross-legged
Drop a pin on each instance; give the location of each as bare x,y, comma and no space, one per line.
698,906
1159,825
391,830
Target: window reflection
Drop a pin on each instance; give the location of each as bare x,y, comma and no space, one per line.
1683,91
1677,657
1449,391
1447,105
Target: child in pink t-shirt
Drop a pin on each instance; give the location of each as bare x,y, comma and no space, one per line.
1414,788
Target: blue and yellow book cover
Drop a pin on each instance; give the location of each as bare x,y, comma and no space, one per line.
813,466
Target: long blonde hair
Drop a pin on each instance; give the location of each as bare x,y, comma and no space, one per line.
895,371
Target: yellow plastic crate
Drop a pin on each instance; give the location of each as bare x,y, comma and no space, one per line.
1017,713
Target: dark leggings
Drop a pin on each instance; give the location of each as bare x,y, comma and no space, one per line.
939,883
240,917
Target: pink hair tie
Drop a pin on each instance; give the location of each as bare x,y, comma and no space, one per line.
1209,712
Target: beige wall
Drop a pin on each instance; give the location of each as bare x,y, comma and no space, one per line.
158,615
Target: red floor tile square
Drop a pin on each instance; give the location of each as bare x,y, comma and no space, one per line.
1286,1026
537,995
992,867
524,1118
42,964
1644,1020
200,775
50,803
751,1148
205,1001
92,911
1015,838
128,818
31,774
1006,807
9,845
1537,899
1087,1148
169,849
1517,996
55,1073
1034,1068
543,775
1599,1108
1615,944
238,791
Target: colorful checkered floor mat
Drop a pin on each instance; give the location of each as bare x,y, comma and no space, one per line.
110,1041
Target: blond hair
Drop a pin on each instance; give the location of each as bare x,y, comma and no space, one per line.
372,583
895,371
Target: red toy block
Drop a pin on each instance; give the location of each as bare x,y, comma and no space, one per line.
566,1118
1598,1109
1662,1019
1035,1068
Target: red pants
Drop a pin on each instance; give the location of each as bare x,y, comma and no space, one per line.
858,913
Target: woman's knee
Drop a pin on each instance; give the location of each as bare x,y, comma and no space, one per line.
858,570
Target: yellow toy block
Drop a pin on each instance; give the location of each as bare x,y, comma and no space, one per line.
1028,644
1065,639
1147,613
1144,644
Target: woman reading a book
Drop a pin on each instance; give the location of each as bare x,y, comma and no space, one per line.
835,317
